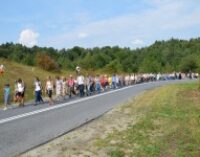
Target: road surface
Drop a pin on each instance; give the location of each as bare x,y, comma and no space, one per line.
22,129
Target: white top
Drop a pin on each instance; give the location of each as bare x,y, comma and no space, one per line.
127,78
49,85
20,87
80,80
132,77
58,84
37,86
58,87
117,79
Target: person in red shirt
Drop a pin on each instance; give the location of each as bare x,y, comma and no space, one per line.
71,84
102,81
106,82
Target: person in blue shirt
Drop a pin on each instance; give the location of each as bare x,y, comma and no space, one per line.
6,96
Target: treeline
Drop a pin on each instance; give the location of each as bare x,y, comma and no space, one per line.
162,56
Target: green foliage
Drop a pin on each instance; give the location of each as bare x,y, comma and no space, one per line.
164,56
113,67
116,153
150,65
189,63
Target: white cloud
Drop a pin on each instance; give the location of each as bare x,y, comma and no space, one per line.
137,42
28,37
163,20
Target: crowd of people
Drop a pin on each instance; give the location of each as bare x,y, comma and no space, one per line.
61,88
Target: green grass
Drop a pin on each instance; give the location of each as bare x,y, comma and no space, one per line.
13,71
169,125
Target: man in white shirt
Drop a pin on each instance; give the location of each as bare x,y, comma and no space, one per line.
80,82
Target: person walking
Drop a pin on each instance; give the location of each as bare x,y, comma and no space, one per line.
58,87
117,81
80,82
6,96
64,87
2,70
106,82
20,92
110,82
38,91
15,96
103,82
98,84
87,85
114,81
71,84
49,89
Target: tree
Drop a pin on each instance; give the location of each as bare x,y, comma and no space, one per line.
46,62
113,67
188,64
165,56
88,62
150,65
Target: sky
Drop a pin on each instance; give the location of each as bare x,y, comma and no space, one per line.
90,23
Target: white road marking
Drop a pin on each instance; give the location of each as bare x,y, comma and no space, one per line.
2,121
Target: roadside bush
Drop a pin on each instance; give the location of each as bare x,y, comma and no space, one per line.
45,62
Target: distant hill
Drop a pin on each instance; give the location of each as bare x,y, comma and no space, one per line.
162,56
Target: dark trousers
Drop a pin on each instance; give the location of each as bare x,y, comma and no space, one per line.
92,88
81,90
38,97
71,91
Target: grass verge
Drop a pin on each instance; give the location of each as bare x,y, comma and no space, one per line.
169,125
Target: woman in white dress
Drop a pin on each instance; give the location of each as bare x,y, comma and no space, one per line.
64,87
49,89
59,88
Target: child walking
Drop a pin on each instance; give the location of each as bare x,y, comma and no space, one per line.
6,96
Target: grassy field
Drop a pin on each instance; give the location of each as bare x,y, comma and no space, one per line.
164,122
13,71
169,125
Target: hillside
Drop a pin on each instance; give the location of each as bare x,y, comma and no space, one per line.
13,71
162,56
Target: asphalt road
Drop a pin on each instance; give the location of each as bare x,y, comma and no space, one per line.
22,129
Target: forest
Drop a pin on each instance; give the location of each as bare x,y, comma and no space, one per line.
162,56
